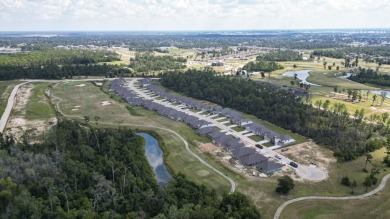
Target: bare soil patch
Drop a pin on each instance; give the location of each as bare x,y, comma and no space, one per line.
106,103
17,124
209,147
309,153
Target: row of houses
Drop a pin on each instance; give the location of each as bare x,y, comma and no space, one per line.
247,156
233,116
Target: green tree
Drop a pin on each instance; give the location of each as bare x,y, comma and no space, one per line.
368,160
285,185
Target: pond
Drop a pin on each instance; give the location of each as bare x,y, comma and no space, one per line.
154,154
301,75
379,92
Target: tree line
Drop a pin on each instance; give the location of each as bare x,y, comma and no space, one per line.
145,62
371,76
58,57
260,65
281,56
333,126
53,71
80,171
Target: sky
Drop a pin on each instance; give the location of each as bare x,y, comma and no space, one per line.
168,15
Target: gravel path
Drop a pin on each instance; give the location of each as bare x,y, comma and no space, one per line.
378,189
10,105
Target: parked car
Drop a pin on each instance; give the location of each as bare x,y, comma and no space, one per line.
284,149
293,164
278,157
259,146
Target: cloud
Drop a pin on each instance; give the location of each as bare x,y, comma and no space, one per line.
190,14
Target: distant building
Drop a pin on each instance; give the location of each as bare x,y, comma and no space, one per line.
217,63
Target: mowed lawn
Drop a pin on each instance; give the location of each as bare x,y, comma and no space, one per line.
376,206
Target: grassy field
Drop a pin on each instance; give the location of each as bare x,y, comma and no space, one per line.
327,79
38,106
256,138
5,90
260,190
376,206
238,129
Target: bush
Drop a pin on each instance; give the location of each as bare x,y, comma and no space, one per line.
285,185
346,181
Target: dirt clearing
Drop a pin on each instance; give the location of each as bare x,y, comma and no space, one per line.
309,153
18,124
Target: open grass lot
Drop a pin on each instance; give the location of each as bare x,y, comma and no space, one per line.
38,106
260,190
268,144
376,206
326,78
238,129
5,90
256,138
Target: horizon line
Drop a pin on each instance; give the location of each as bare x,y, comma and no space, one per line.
203,30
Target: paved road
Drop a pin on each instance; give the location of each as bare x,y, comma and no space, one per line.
378,189
306,172
10,105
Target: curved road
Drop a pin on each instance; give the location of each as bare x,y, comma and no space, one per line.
232,183
378,189
10,105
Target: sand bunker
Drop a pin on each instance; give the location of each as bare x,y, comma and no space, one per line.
75,109
80,85
105,103
77,106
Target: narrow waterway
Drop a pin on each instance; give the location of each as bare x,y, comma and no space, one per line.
301,75
155,155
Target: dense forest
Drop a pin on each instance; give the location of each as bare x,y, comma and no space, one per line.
58,64
280,56
52,71
333,53
371,76
372,52
330,125
266,66
145,62
84,172
59,57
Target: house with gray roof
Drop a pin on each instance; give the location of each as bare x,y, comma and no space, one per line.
215,134
243,151
252,159
235,119
234,146
269,167
285,140
223,140
245,122
206,130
